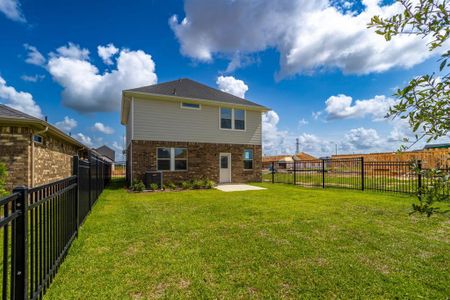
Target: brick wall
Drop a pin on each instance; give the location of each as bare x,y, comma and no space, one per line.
52,159
203,160
14,152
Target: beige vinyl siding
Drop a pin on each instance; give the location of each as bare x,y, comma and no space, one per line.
129,127
160,120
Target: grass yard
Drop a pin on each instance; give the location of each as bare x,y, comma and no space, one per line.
284,242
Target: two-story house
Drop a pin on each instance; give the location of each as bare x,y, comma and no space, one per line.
189,130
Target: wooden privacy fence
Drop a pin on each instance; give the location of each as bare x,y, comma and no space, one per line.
351,173
39,224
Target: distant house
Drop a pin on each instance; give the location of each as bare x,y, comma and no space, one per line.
188,130
107,153
286,160
34,151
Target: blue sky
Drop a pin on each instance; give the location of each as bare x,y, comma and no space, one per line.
302,59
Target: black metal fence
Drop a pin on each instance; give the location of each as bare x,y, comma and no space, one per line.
351,173
39,224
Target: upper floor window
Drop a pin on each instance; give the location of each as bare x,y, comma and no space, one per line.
226,118
239,119
231,118
171,159
190,105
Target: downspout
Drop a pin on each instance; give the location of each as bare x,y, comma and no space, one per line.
32,152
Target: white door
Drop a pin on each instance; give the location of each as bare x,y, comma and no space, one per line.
225,167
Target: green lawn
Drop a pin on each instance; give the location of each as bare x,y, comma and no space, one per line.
285,241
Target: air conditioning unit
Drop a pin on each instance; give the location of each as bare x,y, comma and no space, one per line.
153,177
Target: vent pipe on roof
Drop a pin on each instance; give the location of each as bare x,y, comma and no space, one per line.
174,91
46,118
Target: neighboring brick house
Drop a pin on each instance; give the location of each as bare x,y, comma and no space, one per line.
34,151
189,130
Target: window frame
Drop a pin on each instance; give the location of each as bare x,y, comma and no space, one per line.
252,160
182,103
233,127
40,137
172,159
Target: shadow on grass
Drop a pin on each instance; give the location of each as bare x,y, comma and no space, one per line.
117,184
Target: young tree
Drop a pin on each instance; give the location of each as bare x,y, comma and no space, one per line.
425,101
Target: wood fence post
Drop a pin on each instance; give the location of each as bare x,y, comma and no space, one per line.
19,255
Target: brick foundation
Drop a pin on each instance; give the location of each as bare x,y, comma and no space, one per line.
203,160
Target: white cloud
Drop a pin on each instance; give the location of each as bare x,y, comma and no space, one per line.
341,107
21,101
34,57
309,35
11,9
84,139
106,52
302,122
86,90
361,139
311,143
231,85
67,124
100,127
275,141
32,78
73,51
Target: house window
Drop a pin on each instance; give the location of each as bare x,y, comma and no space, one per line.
38,139
190,105
231,118
248,159
226,118
239,119
171,159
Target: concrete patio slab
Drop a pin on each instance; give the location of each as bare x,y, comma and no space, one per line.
238,187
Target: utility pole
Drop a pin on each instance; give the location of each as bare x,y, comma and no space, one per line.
297,146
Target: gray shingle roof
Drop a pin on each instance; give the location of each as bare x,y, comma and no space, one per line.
106,151
8,112
187,88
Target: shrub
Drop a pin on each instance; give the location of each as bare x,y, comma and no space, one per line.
197,184
138,186
170,185
208,184
185,185
3,175
153,186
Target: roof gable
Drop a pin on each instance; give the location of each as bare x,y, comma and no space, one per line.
187,88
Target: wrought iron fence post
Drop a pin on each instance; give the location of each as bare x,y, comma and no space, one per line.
76,172
295,172
19,257
362,174
273,172
419,177
323,173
